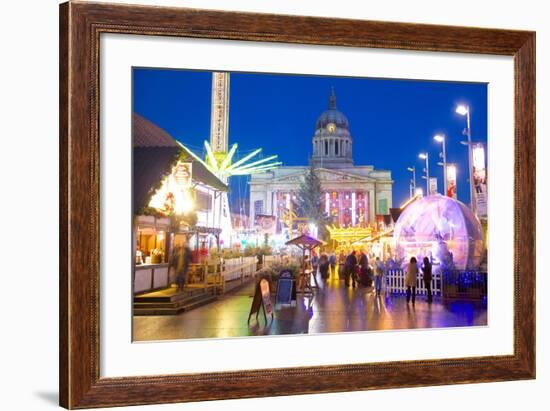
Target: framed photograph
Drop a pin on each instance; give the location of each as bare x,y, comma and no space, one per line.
257,205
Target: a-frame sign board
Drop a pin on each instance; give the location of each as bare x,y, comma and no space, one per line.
262,299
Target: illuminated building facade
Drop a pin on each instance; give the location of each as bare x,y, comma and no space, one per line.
352,195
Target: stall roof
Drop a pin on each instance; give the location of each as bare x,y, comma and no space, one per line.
155,151
306,241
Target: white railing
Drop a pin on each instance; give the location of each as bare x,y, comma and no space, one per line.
395,282
237,270
270,260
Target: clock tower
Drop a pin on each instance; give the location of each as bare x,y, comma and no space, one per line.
332,143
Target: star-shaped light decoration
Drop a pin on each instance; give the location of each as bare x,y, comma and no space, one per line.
223,167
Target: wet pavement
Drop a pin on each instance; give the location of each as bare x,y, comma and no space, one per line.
333,308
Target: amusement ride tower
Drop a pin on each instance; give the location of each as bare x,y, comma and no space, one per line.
220,160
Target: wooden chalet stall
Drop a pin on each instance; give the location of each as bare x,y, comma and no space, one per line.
173,198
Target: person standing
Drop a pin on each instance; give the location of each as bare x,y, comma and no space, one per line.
349,270
427,274
332,261
378,275
315,267
303,281
364,269
173,264
187,258
341,265
180,279
410,280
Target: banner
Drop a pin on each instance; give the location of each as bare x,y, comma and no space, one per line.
265,224
183,173
480,180
451,181
433,186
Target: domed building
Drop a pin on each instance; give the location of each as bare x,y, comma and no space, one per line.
332,143
354,195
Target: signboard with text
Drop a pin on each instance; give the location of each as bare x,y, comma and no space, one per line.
433,186
451,181
262,300
265,224
285,288
480,179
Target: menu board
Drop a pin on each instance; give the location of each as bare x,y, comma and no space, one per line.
266,297
285,288
262,299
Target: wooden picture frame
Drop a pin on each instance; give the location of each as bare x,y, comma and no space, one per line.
80,27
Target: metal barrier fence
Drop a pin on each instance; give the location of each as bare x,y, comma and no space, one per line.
465,284
395,283
451,284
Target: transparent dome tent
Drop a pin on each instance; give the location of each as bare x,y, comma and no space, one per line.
441,228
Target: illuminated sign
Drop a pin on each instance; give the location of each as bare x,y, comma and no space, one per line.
433,185
174,195
480,179
451,181
220,112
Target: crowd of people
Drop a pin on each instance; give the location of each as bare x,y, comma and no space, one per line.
355,269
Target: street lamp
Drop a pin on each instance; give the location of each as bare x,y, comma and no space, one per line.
440,138
464,110
425,156
412,183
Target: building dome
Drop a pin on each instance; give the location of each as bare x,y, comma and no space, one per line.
332,116
332,144
440,227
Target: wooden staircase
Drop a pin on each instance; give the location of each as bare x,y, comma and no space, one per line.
172,302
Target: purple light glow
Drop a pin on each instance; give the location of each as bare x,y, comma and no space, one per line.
442,228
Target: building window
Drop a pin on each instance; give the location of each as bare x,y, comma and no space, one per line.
383,206
336,147
258,207
203,201
326,147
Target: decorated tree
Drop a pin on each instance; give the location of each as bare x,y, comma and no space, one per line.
310,200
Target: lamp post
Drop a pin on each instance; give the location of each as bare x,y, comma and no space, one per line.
464,110
440,138
425,156
412,184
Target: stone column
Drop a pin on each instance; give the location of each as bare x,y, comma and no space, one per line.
372,206
340,211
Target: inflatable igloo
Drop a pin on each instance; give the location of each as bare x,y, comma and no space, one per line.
441,228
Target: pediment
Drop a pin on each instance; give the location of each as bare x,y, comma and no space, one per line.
329,175
289,178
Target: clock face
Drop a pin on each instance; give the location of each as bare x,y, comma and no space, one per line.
331,127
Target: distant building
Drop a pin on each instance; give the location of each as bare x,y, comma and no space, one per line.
353,195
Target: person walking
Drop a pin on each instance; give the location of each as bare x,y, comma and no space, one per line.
378,275
314,261
349,270
427,274
410,280
324,266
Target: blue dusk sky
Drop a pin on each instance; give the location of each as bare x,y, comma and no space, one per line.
391,121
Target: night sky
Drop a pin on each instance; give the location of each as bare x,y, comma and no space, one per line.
391,121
